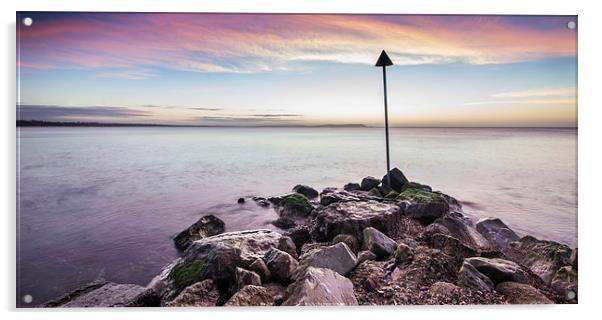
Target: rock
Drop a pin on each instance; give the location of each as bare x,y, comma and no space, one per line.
369,183
312,246
336,195
377,242
260,268
352,186
402,253
348,239
443,288
384,189
461,228
246,277
375,193
207,226
573,259
542,257
300,236
241,200
294,205
496,232
337,257
352,218
450,246
284,223
277,291
261,201
100,295
565,282
365,256
214,258
398,181
392,195
520,293
307,191
419,186
370,284
251,296
470,277
281,265
498,270
200,294
321,287
287,245
422,205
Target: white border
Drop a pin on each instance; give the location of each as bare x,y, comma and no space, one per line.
590,158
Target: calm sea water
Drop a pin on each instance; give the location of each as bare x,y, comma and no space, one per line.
105,202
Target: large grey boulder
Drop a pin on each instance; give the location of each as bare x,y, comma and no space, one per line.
305,190
200,294
498,270
461,228
520,293
352,218
287,245
206,226
100,295
470,277
399,182
281,265
251,296
214,258
542,257
320,287
246,277
378,243
337,257
496,232
368,183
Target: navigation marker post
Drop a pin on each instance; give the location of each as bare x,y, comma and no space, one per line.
384,61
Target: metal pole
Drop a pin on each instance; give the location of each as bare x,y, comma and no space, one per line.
386,125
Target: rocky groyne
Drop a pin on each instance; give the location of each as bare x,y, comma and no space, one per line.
363,244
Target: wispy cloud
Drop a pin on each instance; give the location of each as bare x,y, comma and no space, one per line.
64,113
129,46
554,92
180,107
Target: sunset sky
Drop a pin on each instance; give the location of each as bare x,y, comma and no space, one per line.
254,69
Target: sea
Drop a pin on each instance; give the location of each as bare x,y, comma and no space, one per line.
105,202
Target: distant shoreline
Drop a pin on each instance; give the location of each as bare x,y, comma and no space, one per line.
39,123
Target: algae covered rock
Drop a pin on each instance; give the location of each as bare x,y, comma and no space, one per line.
206,226
294,205
305,190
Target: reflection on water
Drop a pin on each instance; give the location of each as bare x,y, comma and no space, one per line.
104,202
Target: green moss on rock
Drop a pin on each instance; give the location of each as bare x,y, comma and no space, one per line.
187,273
375,192
392,195
417,195
296,204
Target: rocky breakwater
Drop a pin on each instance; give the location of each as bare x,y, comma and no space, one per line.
364,244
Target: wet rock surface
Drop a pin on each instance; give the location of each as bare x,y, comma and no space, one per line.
207,226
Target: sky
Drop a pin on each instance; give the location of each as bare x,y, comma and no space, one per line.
276,69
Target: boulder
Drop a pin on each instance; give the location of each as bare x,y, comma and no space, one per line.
207,226
100,295
377,242
542,257
307,191
352,187
277,291
281,265
375,193
496,232
348,239
420,186
402,254
294,205
246,277
369,183
240,200
260,268
422,205
450,245
520,293
565,282
337,257
200,294
365,256
287,245
320,287
352,218
251,296
470,277
498,270
284,223
398,181
384,190
300,236
336,195
460,227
